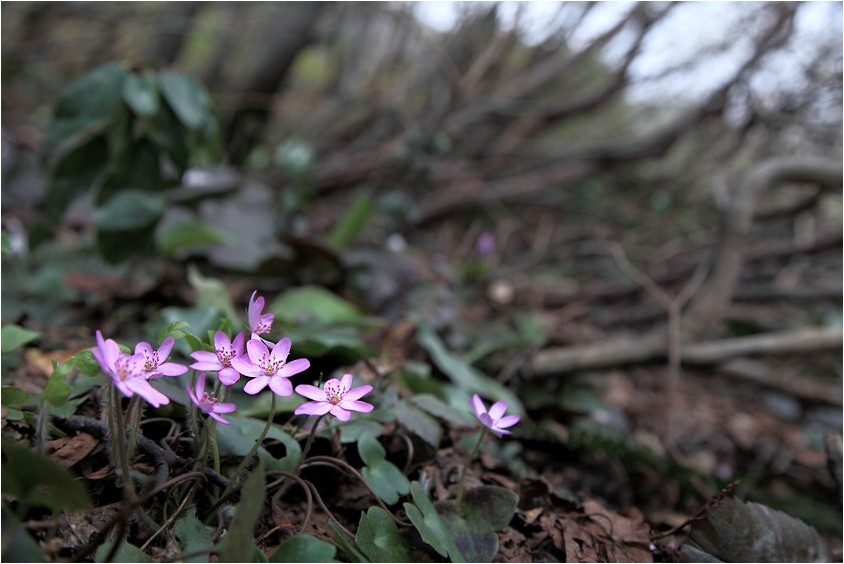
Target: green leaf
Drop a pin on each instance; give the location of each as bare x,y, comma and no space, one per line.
737,531
85,362
464,375
431,527
193,535
352,431
125,553
419,422
237,438
474,543
18,546
352,222
173,329
238,545
378,537
191,234
346,543
187,98
128,210
382,475
12,396
489,506
141,94
436,407
38,480
118,246
13,336
211,293
343,344
57,390
304,548
313,304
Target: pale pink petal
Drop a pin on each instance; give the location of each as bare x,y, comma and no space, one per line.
257,350
313,408
205,356
208,366
242,365
311,392
256,385
346,381
124,389
200,386
143,348
172,369
254,309
98,356
340,413
237,344
146,391
192,395
281,386
108,350
352,405
218,418
165,347
221,340
477,405
228,375
357,393
507,421
136,364
500,432
281,350
497,409
294,367
486,419
224,407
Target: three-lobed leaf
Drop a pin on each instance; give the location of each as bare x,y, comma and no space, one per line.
304,548
378,537
382,475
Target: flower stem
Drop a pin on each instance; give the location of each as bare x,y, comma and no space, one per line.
119,444
474,452
308,444
252,452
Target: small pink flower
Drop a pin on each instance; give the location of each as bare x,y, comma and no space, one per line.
154,361
259,323
208,403
126,371
220,361
335,397
493,419
265,367
485,244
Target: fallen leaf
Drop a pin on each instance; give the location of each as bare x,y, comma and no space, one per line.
70,450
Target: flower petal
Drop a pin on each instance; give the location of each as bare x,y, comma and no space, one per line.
294,367
346,381
507,421
205,356
224,407
200,387
281,350
357,393
256,385
311,392
208,366
242,365
165,347
146,391
477,405
228,375
192,395
313,408
221,340
143,348
281,386
353,405
256,350
218,418
237,344
172,369
497,410
340,413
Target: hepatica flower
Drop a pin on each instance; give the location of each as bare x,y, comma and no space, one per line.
268,368
336,397
494,419
220,361
128,372
259,322
154,360
208,403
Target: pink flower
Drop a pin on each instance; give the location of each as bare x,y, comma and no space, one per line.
259,323
208,403
335,397
265,367
220,361
154,364
126,371
493,419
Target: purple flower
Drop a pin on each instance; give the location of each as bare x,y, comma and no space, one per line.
266,367
208,403
126,371
493,419
259,323
335,397
485,244
154,364
220,361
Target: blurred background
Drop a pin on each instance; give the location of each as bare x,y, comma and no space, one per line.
563,192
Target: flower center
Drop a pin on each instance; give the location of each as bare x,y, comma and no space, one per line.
122,368
334,392
270,366
262,327
208,398
225,356
151,362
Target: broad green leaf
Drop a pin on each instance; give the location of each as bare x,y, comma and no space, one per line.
346,543
352,431
193,535
342,344
431,527
476,543
304,548
419,423
237,438
38,480
465,375
13,337
238,545
351,224
382,475
371,451
173,329
12,396
313,305
187,98
18,546
169,136
118,246
126,552
57,390
737,531
191,234
489,506
378,537
141,94
128,210
436,407
211,293
85,362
